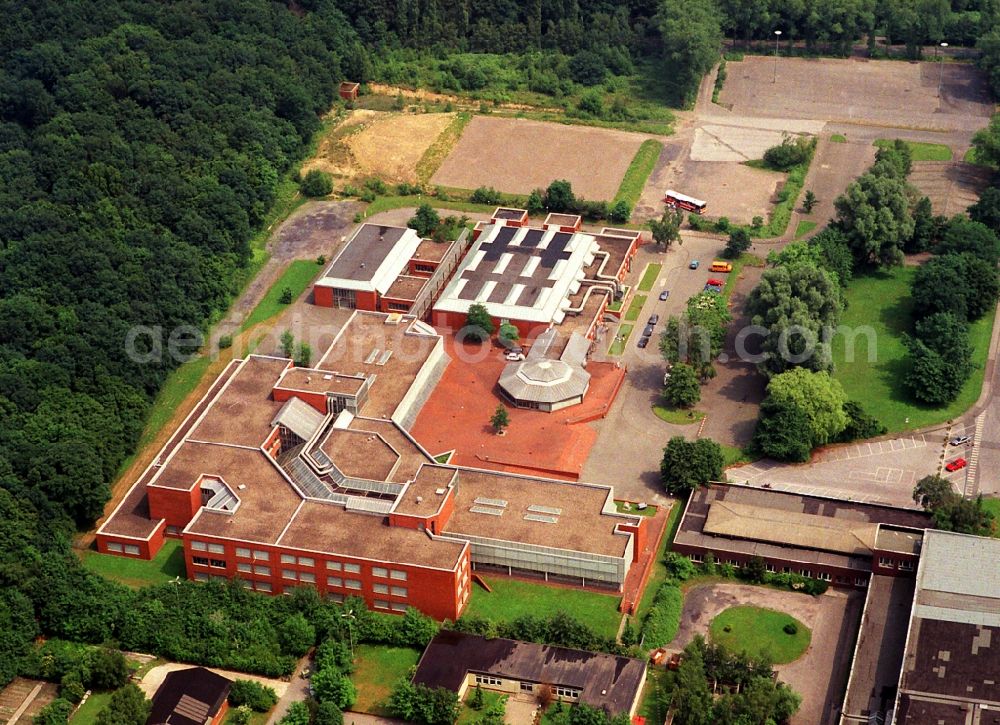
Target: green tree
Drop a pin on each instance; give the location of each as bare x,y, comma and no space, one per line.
425,220
316,183
331,685
691,36
692,699
797,304
986,210
689,464
296,635
620,212
790,152
592,104
860,424
965,235
972,286
297,714
509,334
287,343
940,358
817,395
127,706
559,197
667,229
478,323
809,201
739,242
56,712
536,202
875,215
500,419
286,296
327,713
952,511
109,669
252,694
303,355
986,142
682,389
477,701
783,433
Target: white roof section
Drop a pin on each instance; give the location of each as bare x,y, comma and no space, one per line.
372,258
958,579
506,266
684,197
299,417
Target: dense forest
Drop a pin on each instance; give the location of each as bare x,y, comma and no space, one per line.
142,144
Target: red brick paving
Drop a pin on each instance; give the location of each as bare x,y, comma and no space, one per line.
457,416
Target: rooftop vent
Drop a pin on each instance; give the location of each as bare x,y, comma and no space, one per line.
420,499
541,518
441,491
498,502
489,510
328,377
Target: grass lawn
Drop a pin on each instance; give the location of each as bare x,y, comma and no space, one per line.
87,714
511,599
881,302
649,276
635,308
638,171
377,668
624,507
838,138
444,457
921,151
618,346
256,718
804,227
178,386
296,277
734,455
970,156
167,564
652,707
759,631
468,715
677,417
993,506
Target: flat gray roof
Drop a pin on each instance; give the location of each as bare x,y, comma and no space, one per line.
365,251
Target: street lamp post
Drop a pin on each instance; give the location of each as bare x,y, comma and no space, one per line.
349,614
941,69
777,37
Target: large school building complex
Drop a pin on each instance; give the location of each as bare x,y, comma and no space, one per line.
285,476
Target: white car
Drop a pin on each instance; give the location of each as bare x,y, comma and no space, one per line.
514,356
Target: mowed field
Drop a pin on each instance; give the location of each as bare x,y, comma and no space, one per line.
517,155
374,143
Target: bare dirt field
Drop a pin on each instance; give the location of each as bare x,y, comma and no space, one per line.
517,155
951,185
858,90
732,190
373,143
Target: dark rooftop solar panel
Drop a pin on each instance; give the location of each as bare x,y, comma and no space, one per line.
532,237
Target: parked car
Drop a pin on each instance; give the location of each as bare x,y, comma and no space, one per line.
648,332
643,341
653,319
712,288
957,465
663,295
960,440
694,264
716,282
514,356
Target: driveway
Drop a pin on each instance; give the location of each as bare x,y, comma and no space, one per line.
820,675
296,689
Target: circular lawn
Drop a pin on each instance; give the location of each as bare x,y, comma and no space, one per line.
757,631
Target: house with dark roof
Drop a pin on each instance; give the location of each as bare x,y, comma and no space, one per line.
457,661
192,696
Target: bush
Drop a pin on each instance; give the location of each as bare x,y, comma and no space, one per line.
620,212
70,688
679,566
790,152
486,195
240,716
253,695
316,183
587,68
286,296
592,104
664,617
425,221
790,628
56,712
330,685
739,242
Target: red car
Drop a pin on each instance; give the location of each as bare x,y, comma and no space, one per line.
716,282
957,465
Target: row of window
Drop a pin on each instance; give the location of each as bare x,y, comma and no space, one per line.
821,575
305,577
307,561
560,691
130,549
903,564
261,586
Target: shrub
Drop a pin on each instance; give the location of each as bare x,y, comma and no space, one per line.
790,628
620,212
56,712
333,686
790,152
664,617
591,104
321,260
316,183
286,296
486,195
253,695
722,224
376,186
240,716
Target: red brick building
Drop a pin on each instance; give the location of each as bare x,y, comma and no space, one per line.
286,476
